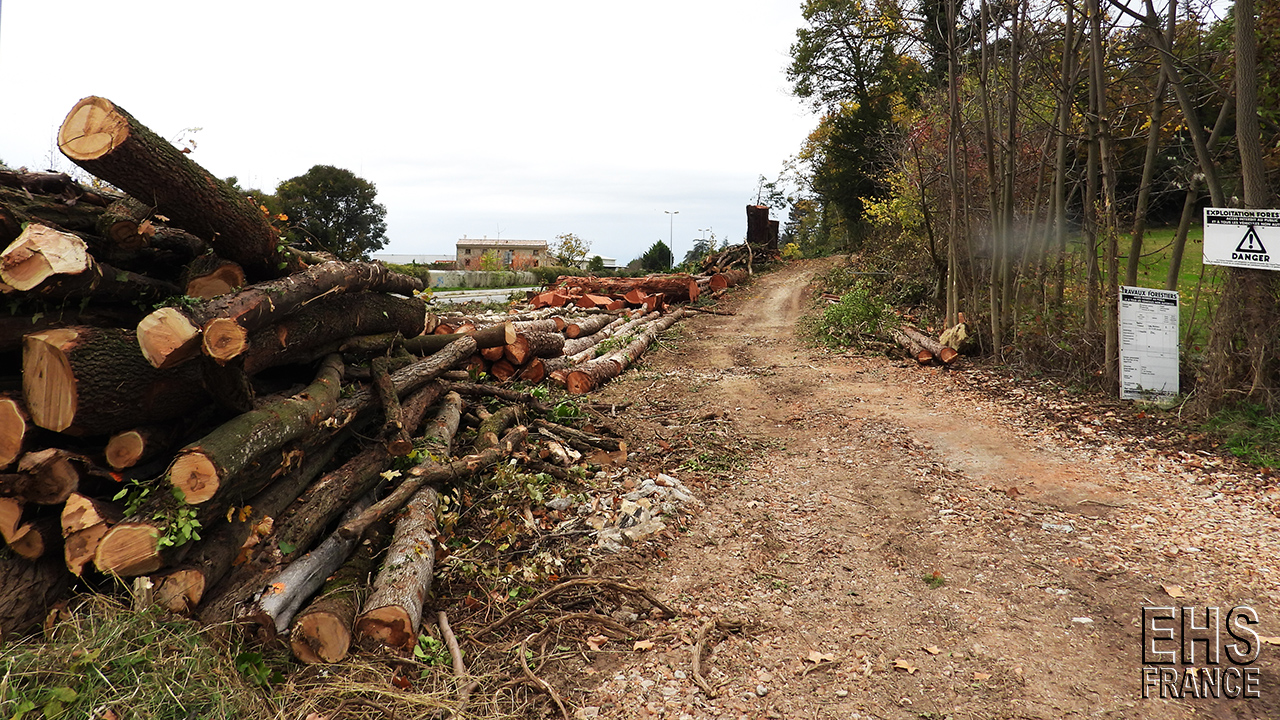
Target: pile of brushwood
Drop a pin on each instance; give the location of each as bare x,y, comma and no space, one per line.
251,433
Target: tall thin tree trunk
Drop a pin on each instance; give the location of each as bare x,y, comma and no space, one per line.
1060,161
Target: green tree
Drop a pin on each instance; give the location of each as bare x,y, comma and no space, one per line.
489,261
596,264
334,210
657,258
569,250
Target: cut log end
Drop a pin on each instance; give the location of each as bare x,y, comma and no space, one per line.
129,549
320,638
79,547
195,475
389,625
13,429
224,339
167,338
124,449
48,383
92,129
179,591
39,253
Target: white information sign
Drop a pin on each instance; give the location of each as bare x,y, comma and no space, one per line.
1148,344
1242,238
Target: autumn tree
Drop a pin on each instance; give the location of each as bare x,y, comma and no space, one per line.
569,250
334,210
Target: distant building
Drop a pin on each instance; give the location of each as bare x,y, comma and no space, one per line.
413,259
512,254
609,263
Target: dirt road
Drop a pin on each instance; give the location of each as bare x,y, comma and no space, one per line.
919,543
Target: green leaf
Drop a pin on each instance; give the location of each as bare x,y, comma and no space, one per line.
287,547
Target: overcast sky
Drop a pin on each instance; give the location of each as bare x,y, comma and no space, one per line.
502,118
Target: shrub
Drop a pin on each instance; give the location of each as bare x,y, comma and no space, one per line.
860,315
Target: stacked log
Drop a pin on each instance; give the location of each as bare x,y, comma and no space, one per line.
211,443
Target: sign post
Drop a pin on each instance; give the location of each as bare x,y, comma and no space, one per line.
1148,344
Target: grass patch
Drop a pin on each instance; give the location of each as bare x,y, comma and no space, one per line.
1250,432
137,664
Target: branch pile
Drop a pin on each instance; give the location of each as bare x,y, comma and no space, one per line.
240,421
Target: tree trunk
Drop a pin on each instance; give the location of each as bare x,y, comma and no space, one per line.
48,263
679,288
913,347
143,444
44,477
438,434
944,354
222,325
28,589
209,276
587,326
394,433
530,345
394,609
91,381
108,142
595,373
208,467
321,632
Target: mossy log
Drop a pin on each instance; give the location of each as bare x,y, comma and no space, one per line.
47,263
321,631
393,611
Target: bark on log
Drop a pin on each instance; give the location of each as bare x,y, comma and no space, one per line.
209,466
433,473
679,288
758,226
491,428
530,345
37,538
57,184
89,381
271,611
182,589
321,632
943,353
48,263
44,477
121,221
426,344
332,494
577,345
28,589
394,432
393,611
50,316
918,352
593,374
438,433
304,336
727,279
102,138
487,390
589,325
220,327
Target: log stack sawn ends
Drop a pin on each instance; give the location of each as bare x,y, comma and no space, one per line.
39,253
92,129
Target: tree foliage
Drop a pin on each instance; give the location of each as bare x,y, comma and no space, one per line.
657,258
569,250
334,210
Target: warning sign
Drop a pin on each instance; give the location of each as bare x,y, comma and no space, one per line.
1242,238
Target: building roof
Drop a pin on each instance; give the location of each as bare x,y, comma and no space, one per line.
484,242
412,259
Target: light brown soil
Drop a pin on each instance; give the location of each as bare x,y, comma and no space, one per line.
1045,522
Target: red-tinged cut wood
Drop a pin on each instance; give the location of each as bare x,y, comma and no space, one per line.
44,477
209,466
393,611
220,327
493,354
944,354
121,221
28,590
90,381
51,264
593,374
102,138
728,278
493,336
534,344
534,372
913,347
431,473
209,276
678,288
503,370
321,631
84,521
13,429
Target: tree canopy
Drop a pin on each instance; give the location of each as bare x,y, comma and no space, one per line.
569,250
657,258
334,210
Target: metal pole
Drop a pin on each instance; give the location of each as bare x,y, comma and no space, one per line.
671,237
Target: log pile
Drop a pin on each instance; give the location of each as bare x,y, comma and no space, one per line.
922,347
184,399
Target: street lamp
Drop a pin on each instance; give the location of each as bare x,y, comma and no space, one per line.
671,236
